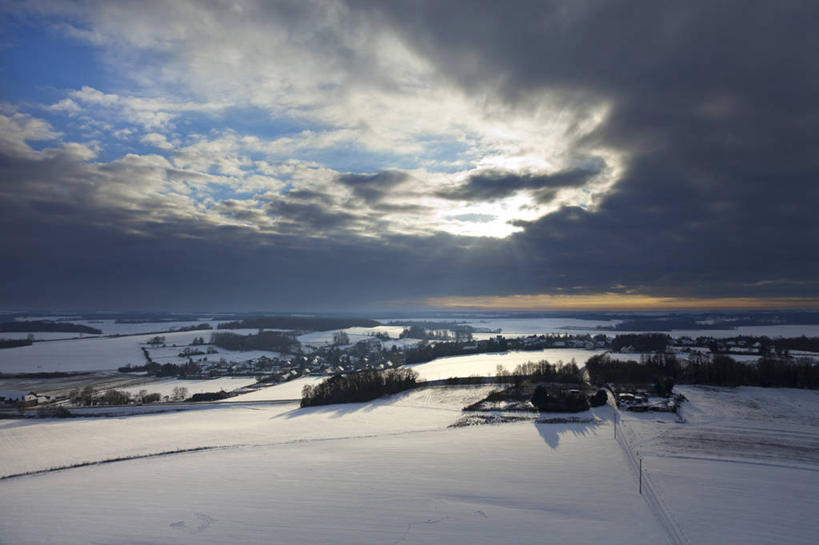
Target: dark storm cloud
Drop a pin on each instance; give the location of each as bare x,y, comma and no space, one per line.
184,266
713,104
373,187
492,185
309,216
308,195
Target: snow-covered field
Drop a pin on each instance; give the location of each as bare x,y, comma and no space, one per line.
170,354
289,390
743,468
31,445
389,471
486,364
43,335
89,354
112,327
768,330
106,353
166,387
319,338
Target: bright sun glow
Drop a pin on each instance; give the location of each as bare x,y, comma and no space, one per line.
489,219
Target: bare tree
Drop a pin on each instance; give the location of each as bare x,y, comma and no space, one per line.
180,393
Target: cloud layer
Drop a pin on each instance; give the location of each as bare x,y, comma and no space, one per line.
353,154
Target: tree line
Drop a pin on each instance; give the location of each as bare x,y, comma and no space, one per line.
14,343
25,326
428,352
430,331
275,341
357,387
541,371
305,323
189,369
720,370
89,396
642,342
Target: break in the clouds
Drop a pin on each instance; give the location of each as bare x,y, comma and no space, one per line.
353,154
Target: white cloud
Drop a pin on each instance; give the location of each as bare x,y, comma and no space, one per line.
353,81
17,129
320,62
149,113
65,105
157,140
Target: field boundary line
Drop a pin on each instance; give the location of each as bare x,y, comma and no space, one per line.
649,491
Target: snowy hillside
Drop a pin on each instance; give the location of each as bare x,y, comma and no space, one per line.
384,472
743,468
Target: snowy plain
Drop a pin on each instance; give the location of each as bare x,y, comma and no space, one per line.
90,353
485,365
389,471
321,338
166,387
289,391
743,468
44,335
170,354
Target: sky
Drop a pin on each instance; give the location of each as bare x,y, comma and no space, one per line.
355,155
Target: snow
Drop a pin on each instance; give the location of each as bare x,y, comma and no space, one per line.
88,354
111,327
743,468
170,354
517,327
289,390
486,364
400,343
804,354
390,471
72,355
772,331
32,445
356,334
166,387
739,503
43,335
92,353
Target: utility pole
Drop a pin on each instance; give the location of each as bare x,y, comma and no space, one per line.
641,476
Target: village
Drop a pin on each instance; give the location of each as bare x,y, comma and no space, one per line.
202,359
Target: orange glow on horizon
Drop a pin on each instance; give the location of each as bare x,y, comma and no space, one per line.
617,301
